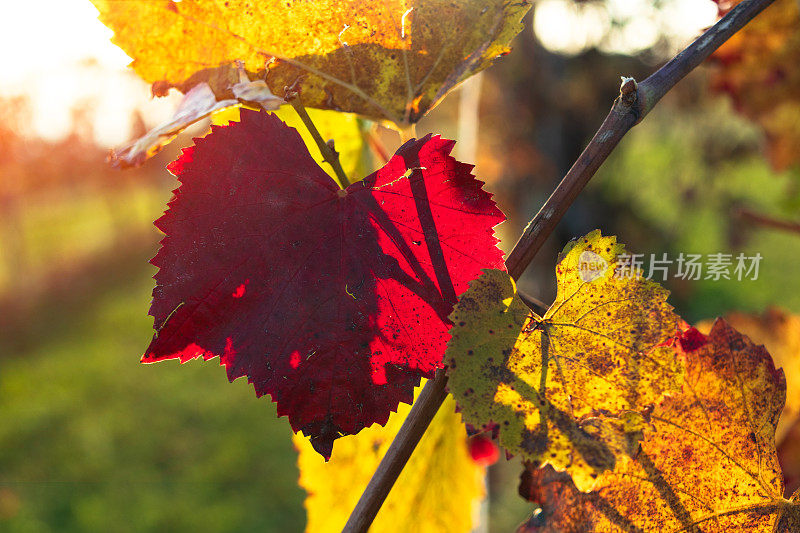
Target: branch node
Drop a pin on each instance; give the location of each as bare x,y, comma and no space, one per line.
628,86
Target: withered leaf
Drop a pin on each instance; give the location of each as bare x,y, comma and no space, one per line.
708,463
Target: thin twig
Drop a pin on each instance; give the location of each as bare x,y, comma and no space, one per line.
533,303
376,145
622,117
634,102
767,221
330,155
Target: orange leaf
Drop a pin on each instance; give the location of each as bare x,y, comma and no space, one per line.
707,464
779,332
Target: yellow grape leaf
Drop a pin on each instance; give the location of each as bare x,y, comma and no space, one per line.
708,464
779,332
758,68
389,60
437,491
569,388
343,128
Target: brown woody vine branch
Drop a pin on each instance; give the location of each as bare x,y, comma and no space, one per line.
632,105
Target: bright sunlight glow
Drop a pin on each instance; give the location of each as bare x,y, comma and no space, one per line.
58,55
619,26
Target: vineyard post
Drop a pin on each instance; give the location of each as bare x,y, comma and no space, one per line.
634,102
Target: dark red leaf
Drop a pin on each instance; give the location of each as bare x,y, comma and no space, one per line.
333,302
691,339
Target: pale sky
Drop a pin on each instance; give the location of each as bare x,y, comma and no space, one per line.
60,55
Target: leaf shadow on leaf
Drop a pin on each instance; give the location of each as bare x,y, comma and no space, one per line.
593,451
389,268
533,390
590,435
547,485
439,295
667,492
534,483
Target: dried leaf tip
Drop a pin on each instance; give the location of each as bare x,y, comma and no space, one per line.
627,86
628,91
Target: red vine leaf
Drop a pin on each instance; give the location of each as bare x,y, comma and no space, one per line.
334,302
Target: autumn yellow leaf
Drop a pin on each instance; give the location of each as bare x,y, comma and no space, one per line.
708,463
757,67
437,492
569,388
779,332
389,60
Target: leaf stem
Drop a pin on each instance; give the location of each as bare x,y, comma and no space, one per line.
634,102
330,155
532,302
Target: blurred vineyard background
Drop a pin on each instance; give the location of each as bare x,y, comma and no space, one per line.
91,440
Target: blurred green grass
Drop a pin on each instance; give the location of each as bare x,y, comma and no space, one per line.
56,228
92,440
